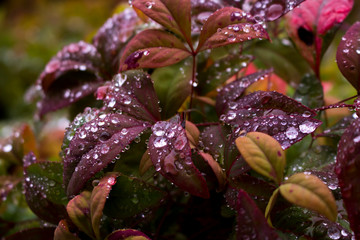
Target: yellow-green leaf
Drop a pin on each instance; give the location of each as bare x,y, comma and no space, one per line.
310,192
263,153
145,163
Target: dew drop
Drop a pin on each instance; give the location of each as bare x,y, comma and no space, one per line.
274,11
160,142
291,133
7,148
307,127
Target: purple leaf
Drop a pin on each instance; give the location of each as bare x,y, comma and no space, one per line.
227,26
172,14
113,36
133,93
347,170
348,55
124,234
236,89
95,145
251,221
170,153
72,74
44,192
152,48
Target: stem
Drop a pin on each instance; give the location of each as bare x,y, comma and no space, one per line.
336,105
207,124
192,84
347,99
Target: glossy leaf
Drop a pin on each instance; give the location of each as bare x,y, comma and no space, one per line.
127,234
311,24
133,94
309,192
226,26
200,11
95,144
348,55
170,153
152,48
39,233
62,232
347,170
271,204
174,15
131,196
112,37
310,92
236,89
172,86
251,222
44,192
79,212
72,74
264,154
98,198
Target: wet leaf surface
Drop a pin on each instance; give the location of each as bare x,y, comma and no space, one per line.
125,234
131,196
44,191
310,92
347,170
348,55
72,74
133,93
310,192
264,154
152,48
171,155
62,232
41,233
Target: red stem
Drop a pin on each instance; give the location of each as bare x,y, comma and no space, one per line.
192,83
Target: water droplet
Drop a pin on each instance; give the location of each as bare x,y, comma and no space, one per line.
149,5
112,103
104,149
274,11
7,148
334,233
124,131
307,127
82,134
291,133
159,132
160,142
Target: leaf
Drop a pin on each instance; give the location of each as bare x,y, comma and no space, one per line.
145,163
39,233
62,232
131,196
7,184
112,37
127,234
78,209
271,204
236,89
170,153
152,48
98,198
347,170
44,192
172,14
348,55
95,144
72,74
172,86
310,92
264,154
133,93
309,192
226,26
312,24
251,222
200,11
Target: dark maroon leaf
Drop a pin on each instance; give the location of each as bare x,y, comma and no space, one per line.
310,25
227,26
72,74
124,234
45,233
44,191
133,93
348,55
347,170
251,221
95,145
170,153
200,11
62,231
236,89
172,14
152,48
112,37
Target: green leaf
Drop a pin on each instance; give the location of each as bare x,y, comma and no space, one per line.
310,92
79,212
172,86
98,198
271,204
131,196
264,154
310,192
174,15
62,232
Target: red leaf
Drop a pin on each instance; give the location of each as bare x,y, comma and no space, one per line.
172,14
311,22
348,55
348,172
170,153
152,49
124,234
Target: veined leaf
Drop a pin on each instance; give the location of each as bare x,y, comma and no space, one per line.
309,192
62,232
264,154
127,234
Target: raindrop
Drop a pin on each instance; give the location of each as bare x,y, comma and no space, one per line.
307,127
160,142
149,5
274,11
159,132
82,135
7,148
334,233
291,133
104,149
124,131
112,103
